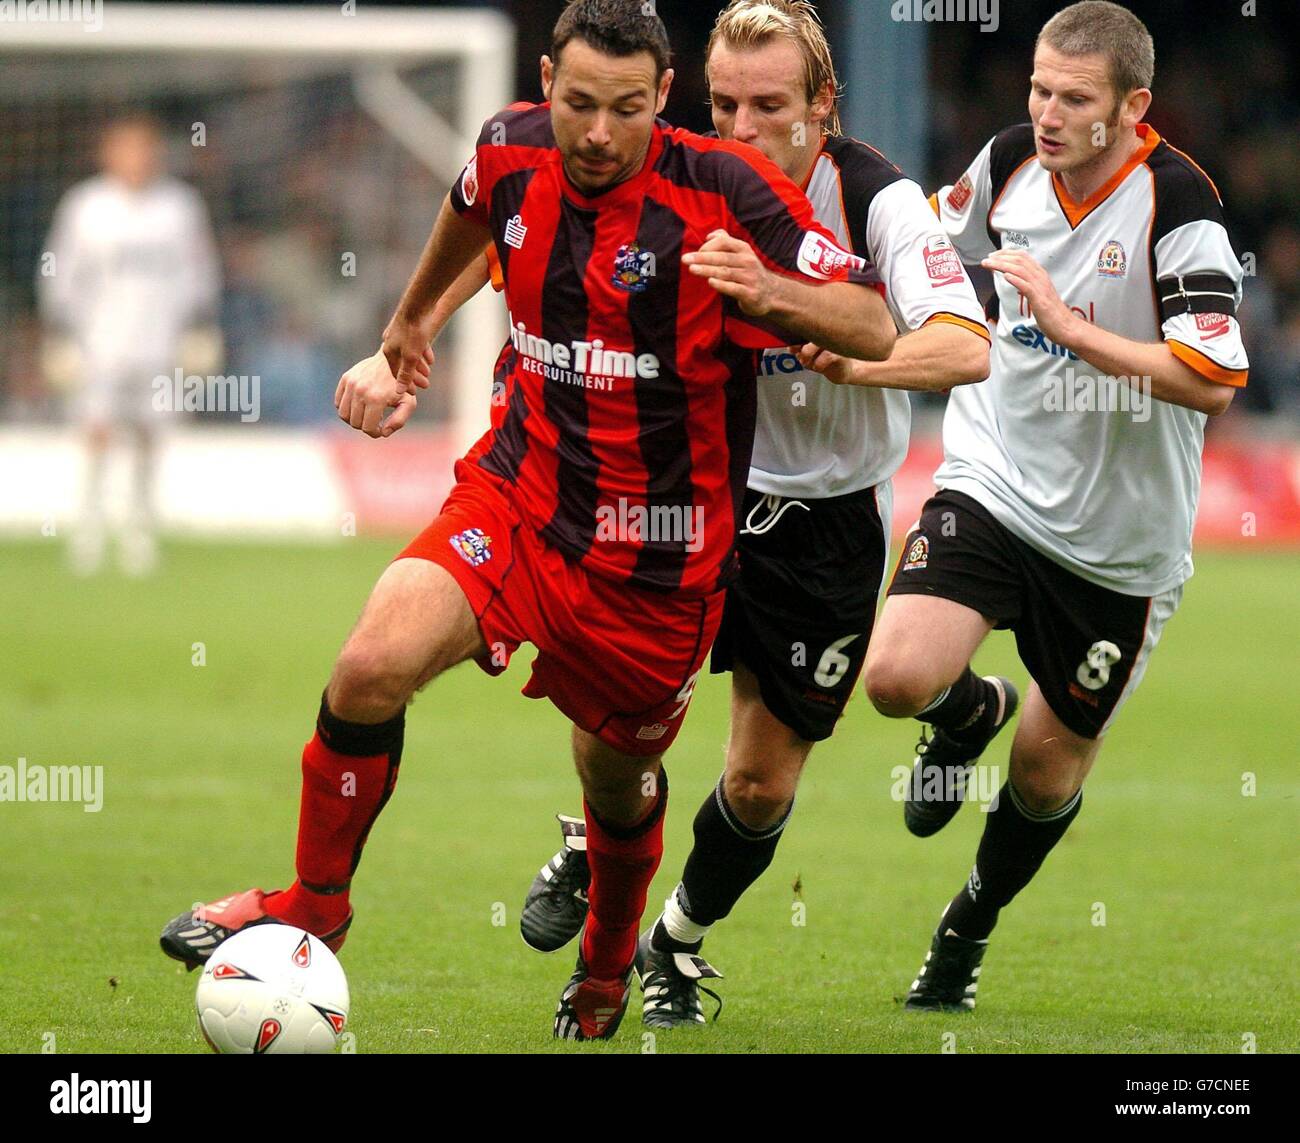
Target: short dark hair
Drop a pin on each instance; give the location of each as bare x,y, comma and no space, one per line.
1100,27
614,27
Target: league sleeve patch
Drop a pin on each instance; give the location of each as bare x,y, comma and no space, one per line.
1211,326
469,182
941,262
961,193
821,258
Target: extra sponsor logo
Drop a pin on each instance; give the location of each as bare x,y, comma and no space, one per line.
942,263
961,193
473,546
633,268
652,732
469,182
1031,337
821,258
1015,240
918,555
1212,325
779,361
1112,262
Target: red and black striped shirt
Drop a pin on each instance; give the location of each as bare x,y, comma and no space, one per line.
629,383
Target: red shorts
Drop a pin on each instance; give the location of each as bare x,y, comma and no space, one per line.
618,661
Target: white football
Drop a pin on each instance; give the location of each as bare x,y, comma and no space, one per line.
272,990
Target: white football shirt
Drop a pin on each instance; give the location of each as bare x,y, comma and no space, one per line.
132,269
1100,480
815,439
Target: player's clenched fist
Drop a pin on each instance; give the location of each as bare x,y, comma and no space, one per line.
366,391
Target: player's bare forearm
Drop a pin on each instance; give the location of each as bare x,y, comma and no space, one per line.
935,357
1151,365
453,244
472,279
847,319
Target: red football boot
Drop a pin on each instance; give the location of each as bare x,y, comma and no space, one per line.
191,937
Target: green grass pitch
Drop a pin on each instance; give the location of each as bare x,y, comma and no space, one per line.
1197,879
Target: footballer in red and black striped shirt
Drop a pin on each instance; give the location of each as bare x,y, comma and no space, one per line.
630,391
596,520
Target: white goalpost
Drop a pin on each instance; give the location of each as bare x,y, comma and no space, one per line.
323,138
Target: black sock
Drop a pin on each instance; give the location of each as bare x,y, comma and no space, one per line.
727,859
966,711
1015,843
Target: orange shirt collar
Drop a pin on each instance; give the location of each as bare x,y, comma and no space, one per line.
1076,212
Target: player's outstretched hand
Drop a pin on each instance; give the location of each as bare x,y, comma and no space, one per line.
366,391
832,366
735,271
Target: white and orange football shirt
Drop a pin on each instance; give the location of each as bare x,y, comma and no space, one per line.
1100,479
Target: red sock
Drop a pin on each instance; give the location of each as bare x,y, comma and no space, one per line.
348,773
622,868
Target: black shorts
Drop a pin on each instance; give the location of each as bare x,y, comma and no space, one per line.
800,614
1086,646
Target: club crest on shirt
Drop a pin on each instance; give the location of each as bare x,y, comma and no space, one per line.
1212,325
473,546
633,268
1112,262
918,555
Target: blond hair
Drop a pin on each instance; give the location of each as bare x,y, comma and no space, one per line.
747,24
1096,27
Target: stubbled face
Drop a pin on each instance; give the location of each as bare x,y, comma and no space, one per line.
132,153
1068,97
759,97
603,110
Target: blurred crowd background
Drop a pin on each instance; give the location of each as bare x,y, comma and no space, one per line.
297,178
